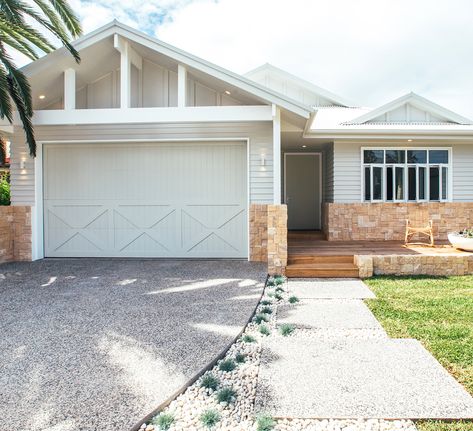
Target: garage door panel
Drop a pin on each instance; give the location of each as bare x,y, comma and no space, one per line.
149,200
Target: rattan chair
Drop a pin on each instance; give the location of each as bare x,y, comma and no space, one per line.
426,231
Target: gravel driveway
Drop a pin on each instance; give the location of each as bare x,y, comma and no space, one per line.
89,344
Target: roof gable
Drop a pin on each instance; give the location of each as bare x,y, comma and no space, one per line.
410,109
297,88
61,56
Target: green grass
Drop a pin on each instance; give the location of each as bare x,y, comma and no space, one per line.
248,338
240,358
210,418
264,330
436,311
265,423
226,395
261,318
286,329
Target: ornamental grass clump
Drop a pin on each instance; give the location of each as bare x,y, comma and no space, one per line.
293,299
279,289
286,329
163,421
226,395
240,358
210,418
209,381
248,338
266,302
266,310
279,280
265,423
227,365
264,330
259,318
278,297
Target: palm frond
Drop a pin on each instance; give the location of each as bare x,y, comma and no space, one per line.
3,150
68,17
5,101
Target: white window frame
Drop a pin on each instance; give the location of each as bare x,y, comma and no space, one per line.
406,167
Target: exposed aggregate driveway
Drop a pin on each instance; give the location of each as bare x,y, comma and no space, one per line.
89,344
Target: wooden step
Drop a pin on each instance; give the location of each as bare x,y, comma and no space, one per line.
322,270
311,258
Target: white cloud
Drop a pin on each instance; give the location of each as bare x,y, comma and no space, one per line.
367,50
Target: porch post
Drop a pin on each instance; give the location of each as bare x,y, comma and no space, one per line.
181,85
276,155
69,89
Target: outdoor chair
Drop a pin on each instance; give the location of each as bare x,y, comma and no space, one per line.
426,231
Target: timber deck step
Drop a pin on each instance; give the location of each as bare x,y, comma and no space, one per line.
315,266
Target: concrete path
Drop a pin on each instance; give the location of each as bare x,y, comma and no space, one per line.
96,344
340,363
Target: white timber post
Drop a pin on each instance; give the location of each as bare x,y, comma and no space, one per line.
181,85
276,112
69,89
125,72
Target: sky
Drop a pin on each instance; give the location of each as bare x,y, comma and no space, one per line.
368,51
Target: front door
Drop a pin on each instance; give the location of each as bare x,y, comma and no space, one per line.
303,190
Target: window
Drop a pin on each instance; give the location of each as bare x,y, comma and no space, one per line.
400,175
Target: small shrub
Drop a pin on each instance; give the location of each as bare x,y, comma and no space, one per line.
163,421
226,395
263,329
279,280
279,289
266,302
271,294
248,338
227,365
278,297
259,318
240,358
286,329
210,418
4,190
266,310
270,283
293,299
209,381
265,423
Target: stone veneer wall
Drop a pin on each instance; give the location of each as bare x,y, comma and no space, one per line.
277,239
268,236
15,233
415,265
387,221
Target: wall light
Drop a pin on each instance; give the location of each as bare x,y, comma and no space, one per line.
409,140
41,96
22,163
263,159
304,146
228,92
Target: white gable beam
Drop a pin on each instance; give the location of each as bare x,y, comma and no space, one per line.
181,85
69,89
121,44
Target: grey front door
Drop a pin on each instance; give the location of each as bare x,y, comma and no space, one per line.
302,190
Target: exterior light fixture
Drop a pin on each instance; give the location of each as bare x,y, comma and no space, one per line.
228,92
42,96
304,146
263,159
22,163
409,140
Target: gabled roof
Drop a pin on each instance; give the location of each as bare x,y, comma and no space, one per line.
269,68
178,55
433,113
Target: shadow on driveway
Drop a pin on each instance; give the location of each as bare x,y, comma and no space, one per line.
90,344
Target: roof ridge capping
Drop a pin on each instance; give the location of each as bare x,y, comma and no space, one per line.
342,101
416,101
137,36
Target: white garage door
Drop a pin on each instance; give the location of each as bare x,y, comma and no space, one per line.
146,200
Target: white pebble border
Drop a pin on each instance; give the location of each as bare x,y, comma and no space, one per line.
239,415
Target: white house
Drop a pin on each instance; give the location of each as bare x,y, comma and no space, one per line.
145,150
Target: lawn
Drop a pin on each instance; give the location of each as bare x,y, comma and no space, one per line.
438,311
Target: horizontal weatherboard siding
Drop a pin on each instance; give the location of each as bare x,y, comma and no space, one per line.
258,134
347,169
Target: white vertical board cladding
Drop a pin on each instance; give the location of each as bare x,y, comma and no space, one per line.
259,136
165,199
347,169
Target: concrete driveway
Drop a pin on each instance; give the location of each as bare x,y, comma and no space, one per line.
89,344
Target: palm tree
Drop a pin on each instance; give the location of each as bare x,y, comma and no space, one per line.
25,26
